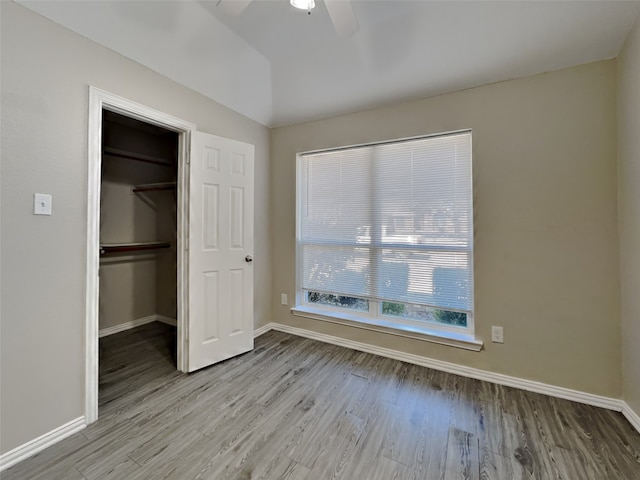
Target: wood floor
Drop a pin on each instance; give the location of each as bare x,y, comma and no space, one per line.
299,409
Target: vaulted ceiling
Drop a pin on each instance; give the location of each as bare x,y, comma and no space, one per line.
278,65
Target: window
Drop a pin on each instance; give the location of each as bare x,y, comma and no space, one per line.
385,233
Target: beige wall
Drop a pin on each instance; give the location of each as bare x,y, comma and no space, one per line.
46,71
546,252
629,211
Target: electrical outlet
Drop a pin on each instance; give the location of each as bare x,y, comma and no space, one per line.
283,299
497,334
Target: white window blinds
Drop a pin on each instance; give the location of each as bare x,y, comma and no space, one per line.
390,222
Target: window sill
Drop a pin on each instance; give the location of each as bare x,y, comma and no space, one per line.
451,339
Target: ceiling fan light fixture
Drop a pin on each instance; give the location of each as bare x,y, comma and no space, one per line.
303,4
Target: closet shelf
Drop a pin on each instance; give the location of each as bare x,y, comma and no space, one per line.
114,152
106,248
150,187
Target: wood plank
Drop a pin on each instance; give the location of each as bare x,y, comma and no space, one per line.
384,469
108,470
462,456
494,466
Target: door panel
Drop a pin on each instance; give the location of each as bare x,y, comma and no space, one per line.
237,300
237,218
220,239
210,220
211,313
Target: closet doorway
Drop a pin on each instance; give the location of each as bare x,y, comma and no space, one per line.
169,235
137,308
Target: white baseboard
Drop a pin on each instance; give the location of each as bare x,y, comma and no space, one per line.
263,329
167,320
498,378
136,323
633,417
126,326
38,444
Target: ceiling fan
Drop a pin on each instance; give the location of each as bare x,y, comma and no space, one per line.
340,11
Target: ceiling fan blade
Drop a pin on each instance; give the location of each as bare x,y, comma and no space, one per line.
343,18
233,7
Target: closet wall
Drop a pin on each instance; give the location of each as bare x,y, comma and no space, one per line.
136,285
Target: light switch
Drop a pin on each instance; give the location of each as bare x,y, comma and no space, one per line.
41,204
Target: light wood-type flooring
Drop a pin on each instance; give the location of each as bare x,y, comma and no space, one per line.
295,408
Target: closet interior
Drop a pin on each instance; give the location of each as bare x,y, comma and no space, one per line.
138,221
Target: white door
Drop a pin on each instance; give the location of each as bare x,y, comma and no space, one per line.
220,286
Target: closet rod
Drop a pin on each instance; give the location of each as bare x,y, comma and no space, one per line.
148,187
131,247
114,152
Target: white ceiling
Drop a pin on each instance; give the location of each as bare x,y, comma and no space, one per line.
280,66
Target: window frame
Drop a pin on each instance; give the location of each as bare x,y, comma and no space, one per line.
374,319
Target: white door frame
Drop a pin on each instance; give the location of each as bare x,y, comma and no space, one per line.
100,100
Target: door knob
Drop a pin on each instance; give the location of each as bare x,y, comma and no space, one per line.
248,259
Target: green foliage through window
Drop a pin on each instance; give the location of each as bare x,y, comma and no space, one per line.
342,301
424,313
392,309
450,318
395,309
